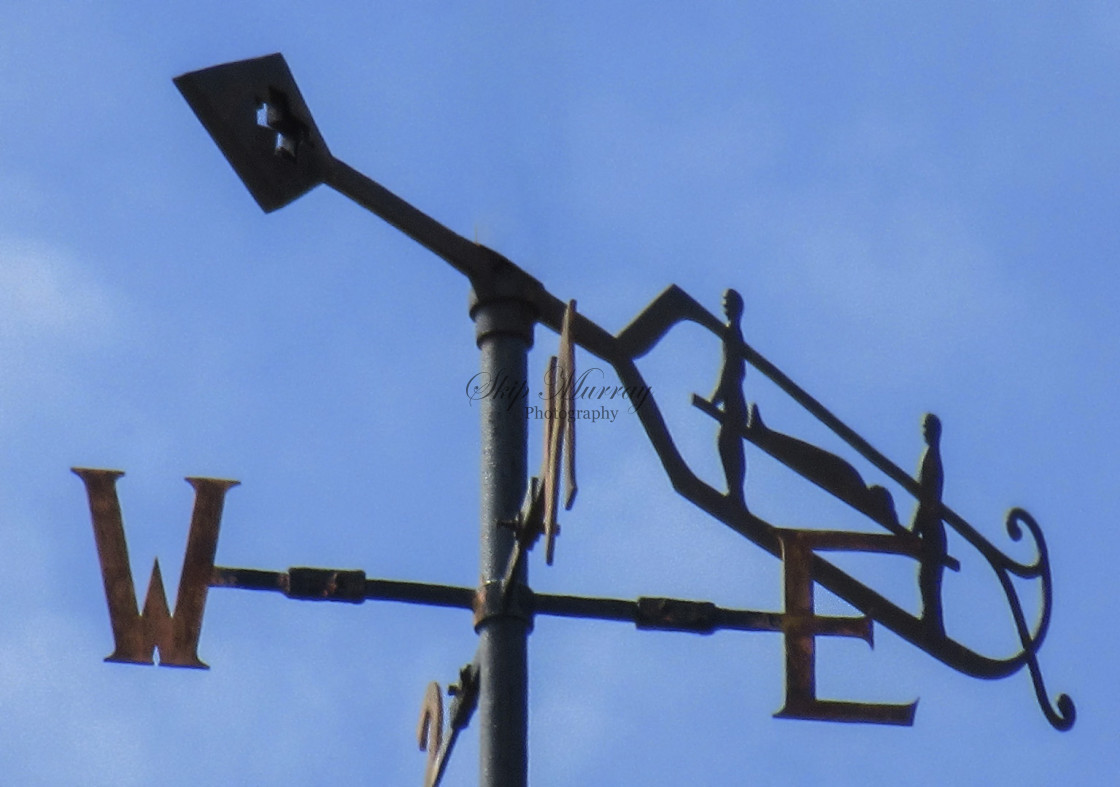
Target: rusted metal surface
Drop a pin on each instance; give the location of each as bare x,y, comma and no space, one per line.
138,634
317,584
507,287
499,599
537,515
662,614
430,733
801,626
248,579
527,527
674,615
674,306
559,432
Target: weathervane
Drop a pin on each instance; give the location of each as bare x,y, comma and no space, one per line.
256,115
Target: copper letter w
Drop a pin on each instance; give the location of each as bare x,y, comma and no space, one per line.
136,634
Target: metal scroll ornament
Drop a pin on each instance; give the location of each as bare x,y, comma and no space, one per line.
923,539
255,113
257,116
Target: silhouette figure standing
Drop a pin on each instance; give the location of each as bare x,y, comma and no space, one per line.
929,527
729,392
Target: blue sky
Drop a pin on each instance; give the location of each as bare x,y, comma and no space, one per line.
917,202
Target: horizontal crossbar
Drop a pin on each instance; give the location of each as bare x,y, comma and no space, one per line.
661,614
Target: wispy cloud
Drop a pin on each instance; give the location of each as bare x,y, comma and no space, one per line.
55,321
46,297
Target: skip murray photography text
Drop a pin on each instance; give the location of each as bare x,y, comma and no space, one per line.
594,400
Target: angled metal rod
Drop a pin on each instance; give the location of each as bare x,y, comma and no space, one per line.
478,263
864,448
283,156
463,255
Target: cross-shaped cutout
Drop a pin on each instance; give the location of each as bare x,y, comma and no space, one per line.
274,114
255,113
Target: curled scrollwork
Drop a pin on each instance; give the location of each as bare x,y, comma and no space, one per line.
1065,714
674,306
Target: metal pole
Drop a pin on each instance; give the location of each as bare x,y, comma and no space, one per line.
504,332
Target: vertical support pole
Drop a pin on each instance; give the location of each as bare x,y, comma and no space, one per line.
504,333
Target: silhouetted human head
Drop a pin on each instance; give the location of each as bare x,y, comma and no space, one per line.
931,428
732,305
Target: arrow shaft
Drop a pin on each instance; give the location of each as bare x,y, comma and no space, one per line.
463,255
482,265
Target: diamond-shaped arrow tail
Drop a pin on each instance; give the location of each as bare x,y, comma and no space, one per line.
256,115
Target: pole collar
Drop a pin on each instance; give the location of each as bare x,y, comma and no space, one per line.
501,301
490,602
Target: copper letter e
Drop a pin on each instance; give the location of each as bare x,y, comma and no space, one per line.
802,625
